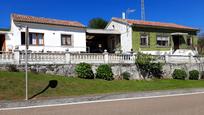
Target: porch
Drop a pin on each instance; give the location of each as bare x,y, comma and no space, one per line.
183,43
2,42
98,40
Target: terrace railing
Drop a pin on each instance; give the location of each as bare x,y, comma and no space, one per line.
6,58
87,57
17,57
43,58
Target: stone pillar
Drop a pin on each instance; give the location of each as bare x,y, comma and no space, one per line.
166,57
171,50
190,57
16,57
134,56
105,56
68,57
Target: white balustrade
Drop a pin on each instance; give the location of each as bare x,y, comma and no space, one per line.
87,57
6,57
44,58
93,58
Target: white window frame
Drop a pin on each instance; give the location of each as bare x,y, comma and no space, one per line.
164,39
71,40
144,36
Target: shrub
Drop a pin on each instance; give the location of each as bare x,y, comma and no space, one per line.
202,75
12,68
194,75
83,70
126,75
156,70
179,74
104,72
147,65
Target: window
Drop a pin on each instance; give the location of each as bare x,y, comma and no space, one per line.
22,38
66,40
144,40
34,38
162,41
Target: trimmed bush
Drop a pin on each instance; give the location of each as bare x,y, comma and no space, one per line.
12,68
104,72
179,74
126,75
194,75
83,70
202,75
156,70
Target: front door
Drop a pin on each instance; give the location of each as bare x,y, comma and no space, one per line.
176,42
2,43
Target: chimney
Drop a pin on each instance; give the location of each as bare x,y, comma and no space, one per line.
123,15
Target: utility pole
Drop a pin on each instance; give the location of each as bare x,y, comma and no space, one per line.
26,61
142,10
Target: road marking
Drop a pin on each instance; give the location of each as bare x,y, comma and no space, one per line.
100,101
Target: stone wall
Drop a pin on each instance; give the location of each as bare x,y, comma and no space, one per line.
118,69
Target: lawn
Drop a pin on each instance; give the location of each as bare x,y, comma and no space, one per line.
12,86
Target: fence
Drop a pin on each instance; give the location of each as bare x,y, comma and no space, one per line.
6,58
18,57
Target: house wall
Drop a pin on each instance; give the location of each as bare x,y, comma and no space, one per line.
131,39
52,37
152,48
126,34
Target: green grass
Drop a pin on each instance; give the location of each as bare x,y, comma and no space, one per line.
12,86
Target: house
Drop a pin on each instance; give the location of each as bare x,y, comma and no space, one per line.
155,37
44,34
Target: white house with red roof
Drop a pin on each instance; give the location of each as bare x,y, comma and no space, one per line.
44,34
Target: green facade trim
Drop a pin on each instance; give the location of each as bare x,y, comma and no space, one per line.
152,43
135,41
152,32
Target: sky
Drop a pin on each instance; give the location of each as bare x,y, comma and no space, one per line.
184,12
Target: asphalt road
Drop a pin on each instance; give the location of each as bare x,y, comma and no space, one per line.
178,105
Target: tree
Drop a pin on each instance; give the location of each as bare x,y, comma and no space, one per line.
97,23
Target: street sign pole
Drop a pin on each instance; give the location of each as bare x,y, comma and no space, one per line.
26,61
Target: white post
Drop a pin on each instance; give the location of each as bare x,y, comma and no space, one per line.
190,57
133,57
16,57
166,58
171,51
67,57
105,56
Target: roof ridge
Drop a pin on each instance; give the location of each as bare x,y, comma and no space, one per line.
154,23
14,15
148,21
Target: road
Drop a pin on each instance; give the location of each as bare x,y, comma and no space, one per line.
174,105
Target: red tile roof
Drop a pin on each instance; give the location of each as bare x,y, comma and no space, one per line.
153,24
41,20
